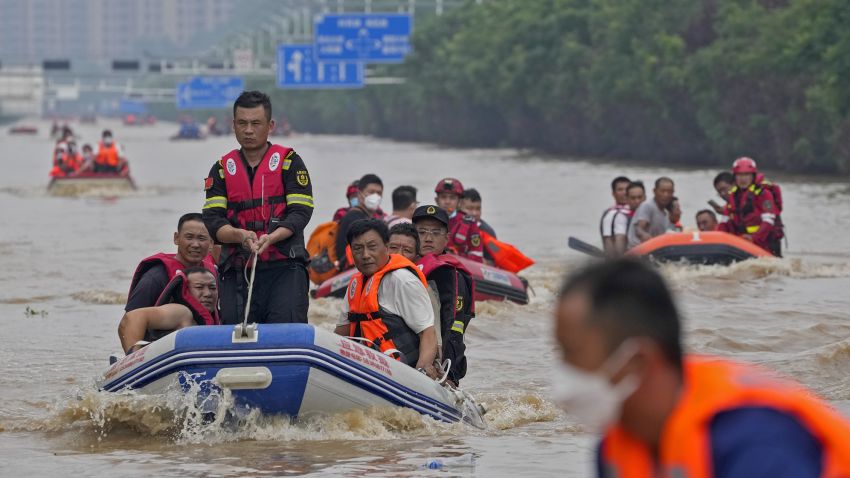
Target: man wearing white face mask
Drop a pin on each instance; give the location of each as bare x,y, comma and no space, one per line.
663,414
370,188
109,156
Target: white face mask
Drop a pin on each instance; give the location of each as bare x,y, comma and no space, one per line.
107,140
372,201
590,396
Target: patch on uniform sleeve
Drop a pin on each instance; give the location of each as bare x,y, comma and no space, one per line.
302,178
289,154
768,205
221,173
459,304
208,182
476,240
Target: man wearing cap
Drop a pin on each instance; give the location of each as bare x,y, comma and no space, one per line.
453,282
464,234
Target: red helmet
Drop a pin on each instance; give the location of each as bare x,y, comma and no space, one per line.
352,190
449,185
744,165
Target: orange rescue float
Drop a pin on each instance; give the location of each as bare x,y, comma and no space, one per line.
698,248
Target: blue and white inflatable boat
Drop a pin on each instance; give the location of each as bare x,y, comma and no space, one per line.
291,369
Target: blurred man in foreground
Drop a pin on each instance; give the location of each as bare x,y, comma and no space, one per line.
662,413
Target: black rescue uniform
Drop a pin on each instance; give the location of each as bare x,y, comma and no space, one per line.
456,311
281,285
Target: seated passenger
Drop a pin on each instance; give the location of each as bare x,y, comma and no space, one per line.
404,203
723,183
404,241
353,201
464,234
706,221
370,188
652,218
190,299
387,300
155,272
453,282
674,213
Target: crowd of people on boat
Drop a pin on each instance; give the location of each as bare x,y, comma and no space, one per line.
751,209
71,160
409,296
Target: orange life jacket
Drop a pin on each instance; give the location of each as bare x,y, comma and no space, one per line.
107,155
253,206
387,332
322,250
713,386
504,255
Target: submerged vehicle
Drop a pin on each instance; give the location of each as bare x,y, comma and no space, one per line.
296,370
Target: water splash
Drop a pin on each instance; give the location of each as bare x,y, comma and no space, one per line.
100,297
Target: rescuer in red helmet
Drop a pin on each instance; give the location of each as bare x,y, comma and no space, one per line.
752,209
464,234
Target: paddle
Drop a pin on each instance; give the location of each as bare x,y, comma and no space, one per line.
584,247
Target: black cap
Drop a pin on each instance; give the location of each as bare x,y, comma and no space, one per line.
431,211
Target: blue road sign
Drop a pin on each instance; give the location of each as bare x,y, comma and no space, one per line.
209,92
134,107
298,68
367,37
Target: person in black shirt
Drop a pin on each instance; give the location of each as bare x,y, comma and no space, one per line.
370,188
193,245
259,199
453,283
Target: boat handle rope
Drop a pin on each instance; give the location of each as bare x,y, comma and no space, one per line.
250,290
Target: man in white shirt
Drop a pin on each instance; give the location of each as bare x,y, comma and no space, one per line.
614,224
387,300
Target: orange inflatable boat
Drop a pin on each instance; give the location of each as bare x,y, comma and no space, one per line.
698,248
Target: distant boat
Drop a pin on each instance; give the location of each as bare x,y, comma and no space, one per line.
23,129
91,183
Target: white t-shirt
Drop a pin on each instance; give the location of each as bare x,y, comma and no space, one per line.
615,221
393,220
401,293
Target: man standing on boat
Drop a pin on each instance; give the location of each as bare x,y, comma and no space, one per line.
387,301
259,199
454,285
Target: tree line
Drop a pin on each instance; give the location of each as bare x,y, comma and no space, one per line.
665,81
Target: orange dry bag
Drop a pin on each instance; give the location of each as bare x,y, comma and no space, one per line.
504,255
321,247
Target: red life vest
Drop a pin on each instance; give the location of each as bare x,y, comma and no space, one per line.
387,332
253,206
431,262
177,288
465,237
753,211
713,386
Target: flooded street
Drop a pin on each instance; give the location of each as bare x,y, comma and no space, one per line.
69,261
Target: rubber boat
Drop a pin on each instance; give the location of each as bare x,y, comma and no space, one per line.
23,129
90,183
699,248
291,369
491,283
